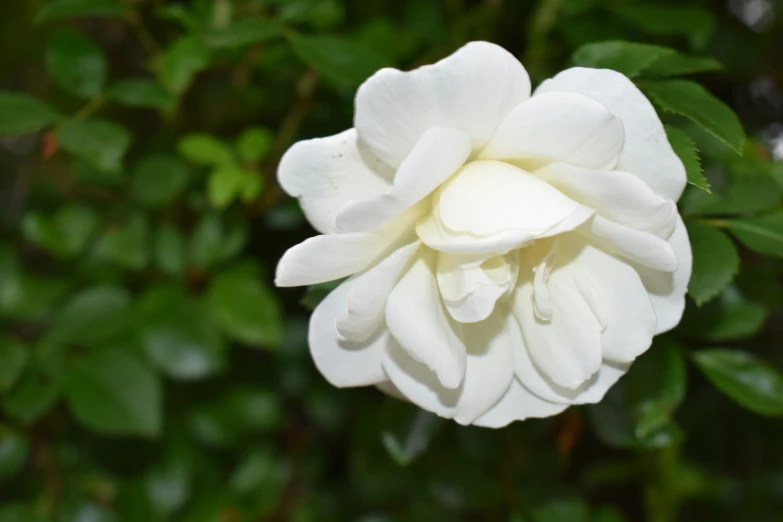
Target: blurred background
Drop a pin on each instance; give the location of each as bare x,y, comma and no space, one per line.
150,372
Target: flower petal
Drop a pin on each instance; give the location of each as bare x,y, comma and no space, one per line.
566,348
646,152
367,298
490,368
326,173
618,196
345,363
667,289
559,126
518,403
419,323
621,301
436,156
333,256
470,286
472,90
644,248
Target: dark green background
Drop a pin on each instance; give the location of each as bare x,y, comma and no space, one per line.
150,372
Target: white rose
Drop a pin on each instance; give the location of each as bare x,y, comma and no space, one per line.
510,254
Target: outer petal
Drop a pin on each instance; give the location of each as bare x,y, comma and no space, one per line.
342,362
618,196
326,173
367,298
646,152
420,324
490,367
667,290
333,256
436,156
518,403
472,90
559,126
566,348
621,302
644,248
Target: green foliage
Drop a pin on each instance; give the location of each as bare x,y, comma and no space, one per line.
150,372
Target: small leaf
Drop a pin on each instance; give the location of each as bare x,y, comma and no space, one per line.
13,359
21,113
693,101
14,451
100,143
345,62
746,194
32,397
66,233
140,92
76,63
57,9
127,246
732,316
158,179
224,184
112,392
746,379
680,64
763,234
181,62
169,250
242,33
204,149
686,150
242,410
406,431
628,58
715,261
254,144
206,241
93,316
179,335
247,310
261,477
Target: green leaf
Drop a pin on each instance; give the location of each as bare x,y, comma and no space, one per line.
241,411
206,241
679,64
76,63
112,392
179,335
181,62
745,194
261,477
254,144
242,33
747,380
32,397
204,149
158,179
406,430
56,9
628,58
762,234
693,101
224,184
127,246
141,92
13,359
169,250
686,150
93,316
21,113
14,451
731,317
246,309
100,143
560,509
66,233
715,261
344,62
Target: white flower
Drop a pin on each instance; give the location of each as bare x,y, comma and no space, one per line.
510,254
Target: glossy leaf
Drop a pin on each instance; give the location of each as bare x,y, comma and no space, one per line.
763,234
204,149
13,359
628,58
693,101
169,250
93,316
181,62
680,64
715,261
141,92
158,179
745,378
76,63
100,143
686,150
21,113
345,62
14,451
242,33
127,245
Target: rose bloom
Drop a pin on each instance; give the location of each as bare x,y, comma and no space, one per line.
509,254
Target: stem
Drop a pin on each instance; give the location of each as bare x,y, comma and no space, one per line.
144,35
90,108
